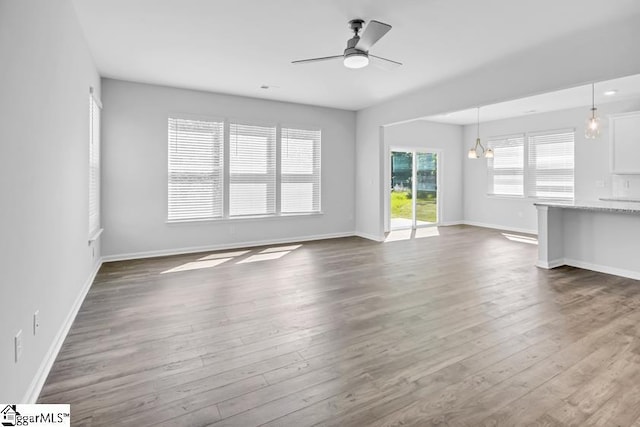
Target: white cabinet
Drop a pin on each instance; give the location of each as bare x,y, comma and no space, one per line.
625,143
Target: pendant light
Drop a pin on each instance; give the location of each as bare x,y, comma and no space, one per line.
474,152
592,130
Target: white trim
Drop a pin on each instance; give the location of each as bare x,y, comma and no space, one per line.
603,268
551,264
501,227
94,236
369,236
631,274
450,223
208,248
31,396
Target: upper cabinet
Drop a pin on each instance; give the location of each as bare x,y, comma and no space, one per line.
625,143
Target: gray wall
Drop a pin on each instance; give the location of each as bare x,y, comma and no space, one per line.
134,173
591,165
45,74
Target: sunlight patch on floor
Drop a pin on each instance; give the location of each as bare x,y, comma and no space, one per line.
263,257
521,239
197,265
416,233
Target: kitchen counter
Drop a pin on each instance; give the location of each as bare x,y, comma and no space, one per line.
599,235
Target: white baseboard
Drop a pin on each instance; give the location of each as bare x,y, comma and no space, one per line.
31,396
550,264
226,246
448,223
603,269
501,227
369,236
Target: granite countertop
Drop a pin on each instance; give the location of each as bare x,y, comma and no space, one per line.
595,205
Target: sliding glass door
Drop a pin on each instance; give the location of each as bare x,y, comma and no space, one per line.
414,189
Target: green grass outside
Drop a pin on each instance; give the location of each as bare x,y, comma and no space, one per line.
401,207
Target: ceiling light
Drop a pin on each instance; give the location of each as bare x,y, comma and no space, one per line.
478,148
356,60
611,92
592,130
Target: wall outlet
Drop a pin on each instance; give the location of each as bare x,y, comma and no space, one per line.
36,322
17,341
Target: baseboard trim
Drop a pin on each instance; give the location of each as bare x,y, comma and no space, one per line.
450,223
239,245
603,269
501,227
369,236
551,264
31,396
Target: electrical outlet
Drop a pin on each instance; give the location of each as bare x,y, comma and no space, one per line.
18,345
36,321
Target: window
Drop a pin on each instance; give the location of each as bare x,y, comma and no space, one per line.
94,166
230,170
300,178
252,170
538,165
195,169
506,168
551,165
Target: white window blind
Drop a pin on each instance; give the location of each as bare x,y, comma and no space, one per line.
94,166
506,168
551,165
195,169
300,176
252,170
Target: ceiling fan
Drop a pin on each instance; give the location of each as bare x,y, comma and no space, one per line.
357,55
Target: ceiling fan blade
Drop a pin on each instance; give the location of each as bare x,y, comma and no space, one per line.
372,33
324,58
384,63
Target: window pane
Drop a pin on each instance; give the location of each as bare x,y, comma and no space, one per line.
551,165
506,168
252,170
195,169
300,177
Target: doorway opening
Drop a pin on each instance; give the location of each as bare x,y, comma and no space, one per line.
413,201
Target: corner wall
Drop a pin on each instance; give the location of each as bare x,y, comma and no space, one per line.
46,262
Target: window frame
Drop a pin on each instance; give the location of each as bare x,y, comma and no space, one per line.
491,175
95,169
226,217
527,170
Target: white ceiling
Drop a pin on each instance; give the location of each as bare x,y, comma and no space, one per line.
625,88
236,46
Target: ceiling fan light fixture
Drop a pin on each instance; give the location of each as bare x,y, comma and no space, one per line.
356,60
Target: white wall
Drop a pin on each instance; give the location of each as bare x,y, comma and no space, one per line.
564,63
134,174
442,137
591,165
45,259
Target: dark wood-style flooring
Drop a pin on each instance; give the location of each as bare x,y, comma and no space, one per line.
455,329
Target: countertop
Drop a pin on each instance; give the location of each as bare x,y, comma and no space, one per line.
595,205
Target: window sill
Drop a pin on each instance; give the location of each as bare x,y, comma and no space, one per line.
527,198
95,235
243,218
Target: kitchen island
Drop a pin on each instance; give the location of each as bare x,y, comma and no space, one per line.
595,235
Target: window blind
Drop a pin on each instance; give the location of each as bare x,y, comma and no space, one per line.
300,176
551,165
506,168
94,166
195,169
252,170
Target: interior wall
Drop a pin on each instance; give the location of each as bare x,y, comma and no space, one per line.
592,177
551,66
45,75
448,140
134,174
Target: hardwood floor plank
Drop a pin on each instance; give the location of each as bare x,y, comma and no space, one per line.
349,332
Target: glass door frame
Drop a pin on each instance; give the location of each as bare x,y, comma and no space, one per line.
387,179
